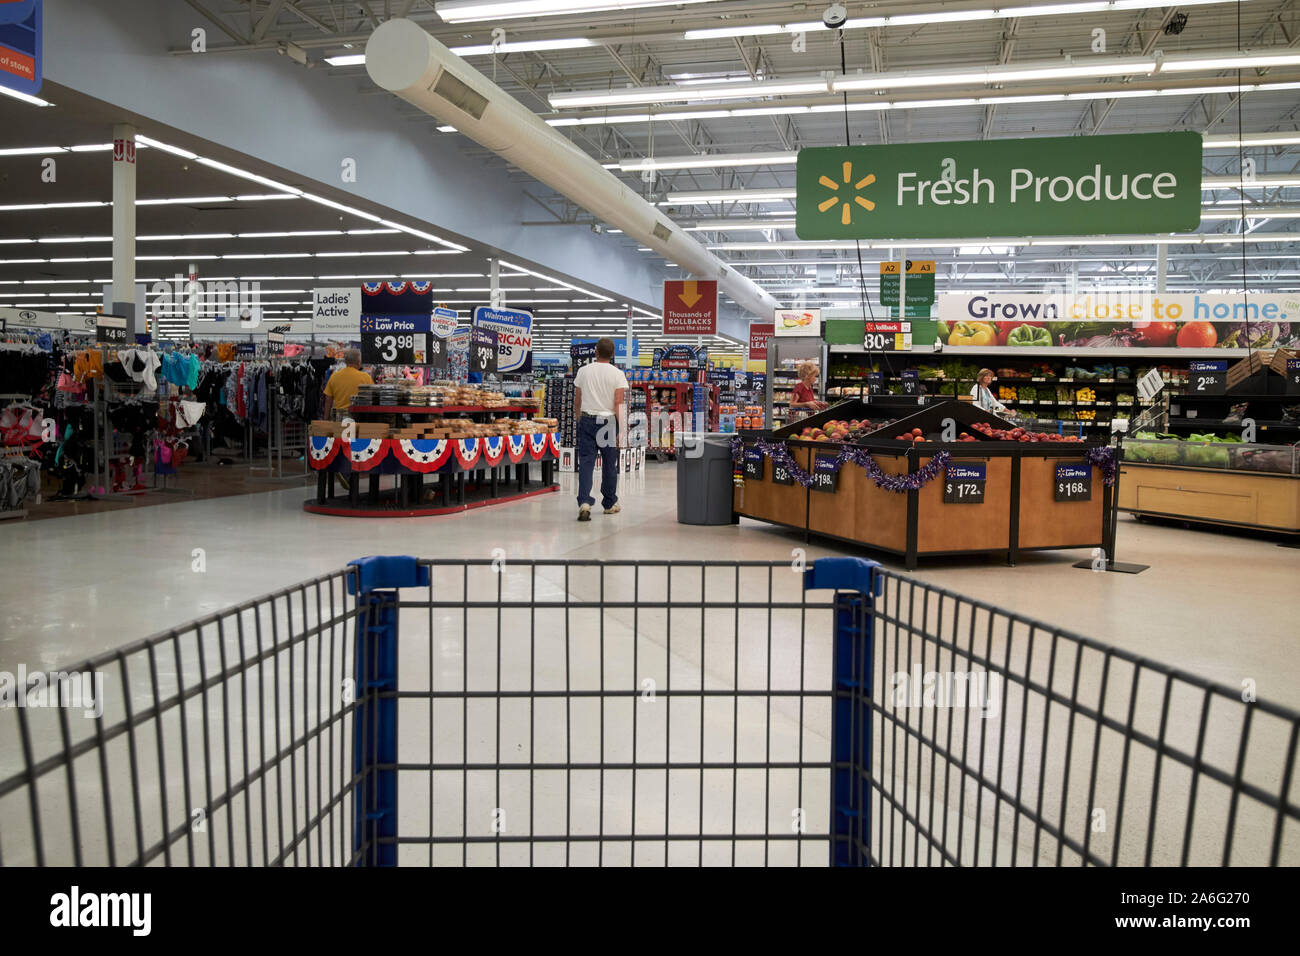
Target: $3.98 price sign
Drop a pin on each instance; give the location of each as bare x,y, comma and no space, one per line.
964,484
483,351
392,348
754,464
1073,482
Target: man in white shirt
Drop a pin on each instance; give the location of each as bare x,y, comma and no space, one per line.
600,403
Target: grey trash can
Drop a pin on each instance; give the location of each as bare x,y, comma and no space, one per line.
704,479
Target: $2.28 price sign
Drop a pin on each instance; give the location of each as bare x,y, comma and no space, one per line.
964,484
754,464
483,351
1073,482
1207,378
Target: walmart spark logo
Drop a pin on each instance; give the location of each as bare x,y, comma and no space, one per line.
846,210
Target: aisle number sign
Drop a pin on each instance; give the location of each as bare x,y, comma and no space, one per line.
920,282
1060,185
21,26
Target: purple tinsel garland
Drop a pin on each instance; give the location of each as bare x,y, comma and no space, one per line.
1103,458
779,452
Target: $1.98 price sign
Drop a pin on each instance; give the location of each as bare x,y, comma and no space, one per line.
964,484
1073,482
825,473
482,351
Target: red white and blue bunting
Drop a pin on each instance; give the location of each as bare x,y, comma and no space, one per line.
422,455
421,288
467,451
323,450
537,445
554,441
516,447
367,453
494,447
372,288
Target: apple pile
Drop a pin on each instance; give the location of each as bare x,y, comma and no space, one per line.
838,431
1015,434
914,436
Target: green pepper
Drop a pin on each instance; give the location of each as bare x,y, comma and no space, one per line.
1030,335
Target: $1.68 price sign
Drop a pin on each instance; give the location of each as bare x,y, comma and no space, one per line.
964,484
1073,482
482,351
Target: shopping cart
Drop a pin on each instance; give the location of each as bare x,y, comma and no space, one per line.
516,712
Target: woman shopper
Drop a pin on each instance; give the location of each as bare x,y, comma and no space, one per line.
804,398
983,394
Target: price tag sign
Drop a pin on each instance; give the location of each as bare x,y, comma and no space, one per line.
1074,482
825,473
875,383
483,351
781,474
111,330
1293,376
887,337
436,355
394,339
754,464
1208,378
275,343
964,484
911,382
582,353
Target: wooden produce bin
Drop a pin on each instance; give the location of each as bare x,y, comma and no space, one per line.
951,528
768,501
1045,522
1242,499
859,511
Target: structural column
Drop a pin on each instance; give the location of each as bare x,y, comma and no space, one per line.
123,296
1162,266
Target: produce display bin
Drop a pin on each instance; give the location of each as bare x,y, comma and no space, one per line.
1232,484
1019,502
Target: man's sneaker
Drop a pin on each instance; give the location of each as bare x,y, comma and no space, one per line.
584,512
614,510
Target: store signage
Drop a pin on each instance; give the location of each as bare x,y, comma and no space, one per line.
690,307
798,322
34,319
275,343
620,347
964,484
781,474
760,333
1149,386
681,357
1060,185
1293,376
581,353
397,298
825,473
394,339
887,336
436,356
754,464
21,28
920,282
484,350
911,382
875,383
1207,378
443,322
514,330
111,330
336,312
1073,482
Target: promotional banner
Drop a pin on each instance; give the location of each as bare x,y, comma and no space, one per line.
443,321
336,312
1046,186
620,347
681,357
798,322
690,307
1121,319
20,45
34,319
760,333
389,298
514,331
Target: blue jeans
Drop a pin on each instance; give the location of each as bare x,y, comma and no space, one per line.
598,436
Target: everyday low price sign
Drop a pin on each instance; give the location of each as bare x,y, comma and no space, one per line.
1059,185
753,464
1293,376
1073,482
1207,378
964,484
394,339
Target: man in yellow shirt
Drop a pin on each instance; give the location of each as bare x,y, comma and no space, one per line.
343,384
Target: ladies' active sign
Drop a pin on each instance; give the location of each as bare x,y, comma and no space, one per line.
1046,186
1120,319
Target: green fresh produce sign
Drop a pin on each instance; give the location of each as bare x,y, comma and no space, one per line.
1062,185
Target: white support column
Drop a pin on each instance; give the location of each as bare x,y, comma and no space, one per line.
1162,266
124,182
496,298
627,343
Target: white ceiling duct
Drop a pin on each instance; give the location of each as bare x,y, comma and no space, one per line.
403,59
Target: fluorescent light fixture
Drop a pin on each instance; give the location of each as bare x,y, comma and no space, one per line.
714,161
1252,139
722,33
739,225
174,150
1125,66
29,207
99,147
32,150
24,97
350,210
667,94
467,11
423,235
349,59
1229,61
523,46
729,195
1259,182
245,174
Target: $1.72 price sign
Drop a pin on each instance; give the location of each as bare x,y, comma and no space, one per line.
1074,482
754,464
964,484
482,350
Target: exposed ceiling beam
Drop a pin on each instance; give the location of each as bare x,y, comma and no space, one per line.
224,27
267,20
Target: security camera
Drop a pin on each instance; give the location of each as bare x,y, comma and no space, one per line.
834,16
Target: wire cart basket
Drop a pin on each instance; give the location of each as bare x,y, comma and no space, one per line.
536,712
